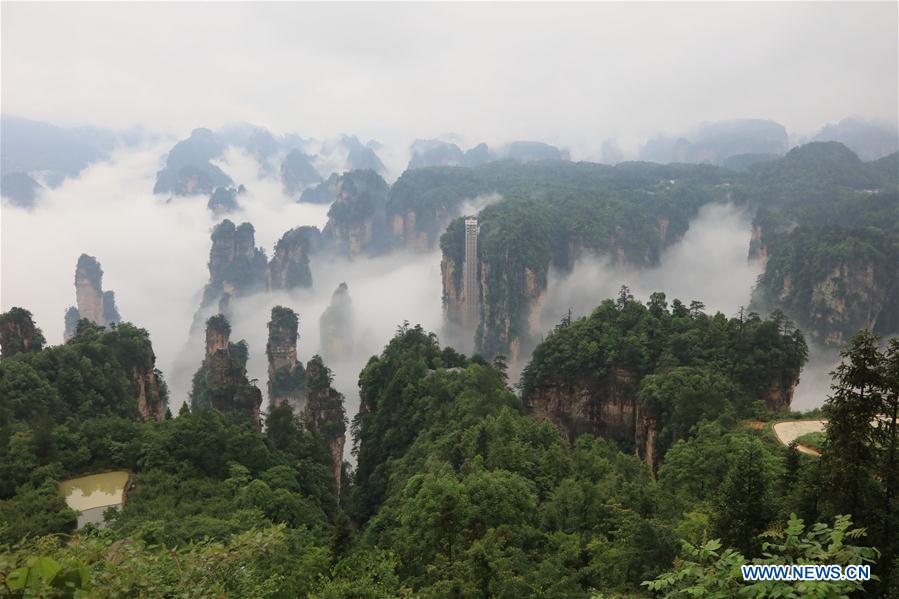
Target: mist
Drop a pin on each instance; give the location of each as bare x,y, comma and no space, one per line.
709,264
153,250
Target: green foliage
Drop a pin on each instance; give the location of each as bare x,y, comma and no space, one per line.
859,457
680,366
843,251
707,571
361,198
832,277
814,440
18,333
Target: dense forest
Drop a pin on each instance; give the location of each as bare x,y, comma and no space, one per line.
460,487
827,227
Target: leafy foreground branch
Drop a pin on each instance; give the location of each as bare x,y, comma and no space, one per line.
706,571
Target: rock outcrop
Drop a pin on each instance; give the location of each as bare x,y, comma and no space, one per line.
188,169
236,266
832,282
357,218
224,199
289,266
93,303
606,407
324,412
18,333
336,325
286,376
221,382
323,193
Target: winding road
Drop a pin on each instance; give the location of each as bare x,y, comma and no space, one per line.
788,430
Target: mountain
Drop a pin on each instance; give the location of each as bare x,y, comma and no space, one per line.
715,142
869,140
50,153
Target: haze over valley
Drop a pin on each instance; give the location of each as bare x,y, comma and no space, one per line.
448,300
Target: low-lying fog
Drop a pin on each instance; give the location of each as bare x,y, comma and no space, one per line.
154,256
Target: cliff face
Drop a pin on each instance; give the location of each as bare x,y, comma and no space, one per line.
603,407
758,248
236,266
779,395
850,293
417,233
513,289
221,382
145,383
71,322
357,221
224,199
289,266
93,303
188,168
833,283
336,325
324,412
286,377
18,333
451,275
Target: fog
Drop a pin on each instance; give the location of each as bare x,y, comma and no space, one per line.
154,256
153,252
709,264
573,74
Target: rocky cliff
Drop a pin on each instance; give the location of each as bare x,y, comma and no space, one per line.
286,376
832,282
224,199
236,266
626,373
188,168
149,390
289,266
603,406
18,333
336,325
357,219
221,382
93,303
324,412
514,264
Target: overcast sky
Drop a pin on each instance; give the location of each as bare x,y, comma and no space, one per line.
566,73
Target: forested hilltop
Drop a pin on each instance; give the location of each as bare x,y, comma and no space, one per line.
827,229
462,487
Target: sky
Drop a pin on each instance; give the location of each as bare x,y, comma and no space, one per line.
563,73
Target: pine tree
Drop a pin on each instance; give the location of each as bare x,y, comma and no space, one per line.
887,436
743,507
849,452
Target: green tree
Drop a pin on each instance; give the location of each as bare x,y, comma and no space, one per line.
849,450
743,505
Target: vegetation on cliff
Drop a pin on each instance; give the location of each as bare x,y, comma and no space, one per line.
828,226
458,491
663,368
18,333
221,381
236,266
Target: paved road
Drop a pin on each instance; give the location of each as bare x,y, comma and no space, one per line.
788,430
